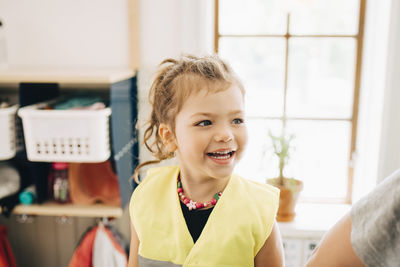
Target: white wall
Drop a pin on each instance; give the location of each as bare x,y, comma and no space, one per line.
62,34
378,143
373,82
390,140
167,29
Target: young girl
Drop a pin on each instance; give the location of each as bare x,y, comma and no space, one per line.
198,213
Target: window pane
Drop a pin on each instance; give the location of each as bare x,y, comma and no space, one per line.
257,163
320,157
321,77
252,17
260,63
324,17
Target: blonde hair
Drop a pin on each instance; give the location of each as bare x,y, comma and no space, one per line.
175,81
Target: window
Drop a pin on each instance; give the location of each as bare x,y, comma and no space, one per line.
298,59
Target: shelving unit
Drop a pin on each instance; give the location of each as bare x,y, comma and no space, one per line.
54,209
92,78
121,86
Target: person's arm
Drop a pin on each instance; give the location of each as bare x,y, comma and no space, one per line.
133,253
335,248
271,254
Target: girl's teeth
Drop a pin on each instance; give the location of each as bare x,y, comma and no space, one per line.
221,155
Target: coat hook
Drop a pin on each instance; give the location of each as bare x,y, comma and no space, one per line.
105,221
25,218
62,220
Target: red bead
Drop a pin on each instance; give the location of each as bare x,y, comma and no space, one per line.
189,203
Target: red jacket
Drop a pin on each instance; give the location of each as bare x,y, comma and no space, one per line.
6,255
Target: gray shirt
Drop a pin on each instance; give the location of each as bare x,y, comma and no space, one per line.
375,233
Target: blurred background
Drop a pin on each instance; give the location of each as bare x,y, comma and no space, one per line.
328,69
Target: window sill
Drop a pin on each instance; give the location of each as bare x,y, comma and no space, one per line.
312,221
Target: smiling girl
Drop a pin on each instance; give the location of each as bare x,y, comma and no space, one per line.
199,213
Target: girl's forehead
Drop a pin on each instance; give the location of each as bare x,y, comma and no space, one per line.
196,83
195,86
205,87
228,98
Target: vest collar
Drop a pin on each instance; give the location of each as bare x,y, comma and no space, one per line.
214,217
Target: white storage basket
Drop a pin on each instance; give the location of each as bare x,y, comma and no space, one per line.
66,135
8,132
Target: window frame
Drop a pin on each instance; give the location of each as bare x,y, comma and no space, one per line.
359,36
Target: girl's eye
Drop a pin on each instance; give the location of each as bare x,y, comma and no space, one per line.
238,121
204,123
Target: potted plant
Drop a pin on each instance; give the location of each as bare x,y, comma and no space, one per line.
290,188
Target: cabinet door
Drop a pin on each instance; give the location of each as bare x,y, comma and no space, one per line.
123,98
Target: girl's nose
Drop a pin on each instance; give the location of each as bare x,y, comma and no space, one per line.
223,135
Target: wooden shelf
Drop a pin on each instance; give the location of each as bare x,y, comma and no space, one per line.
64,76
77,79
71,210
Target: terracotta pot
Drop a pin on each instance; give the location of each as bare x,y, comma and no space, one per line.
287,199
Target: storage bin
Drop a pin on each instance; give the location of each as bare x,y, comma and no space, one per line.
8,132
65,135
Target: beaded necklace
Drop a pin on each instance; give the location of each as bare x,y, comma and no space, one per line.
193,205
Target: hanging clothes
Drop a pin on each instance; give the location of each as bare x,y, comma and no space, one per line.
82,256
6,256
100,246
107,251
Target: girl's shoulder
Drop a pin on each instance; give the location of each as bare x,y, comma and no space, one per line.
158,177
255,192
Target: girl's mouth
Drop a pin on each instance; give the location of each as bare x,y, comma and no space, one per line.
221,155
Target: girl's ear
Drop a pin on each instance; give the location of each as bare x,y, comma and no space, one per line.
167,137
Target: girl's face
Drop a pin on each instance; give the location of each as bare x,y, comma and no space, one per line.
210,133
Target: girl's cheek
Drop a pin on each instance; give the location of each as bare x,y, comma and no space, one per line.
245,135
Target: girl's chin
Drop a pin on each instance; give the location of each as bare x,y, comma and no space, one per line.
221,171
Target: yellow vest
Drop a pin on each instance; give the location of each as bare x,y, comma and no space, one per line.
236,230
